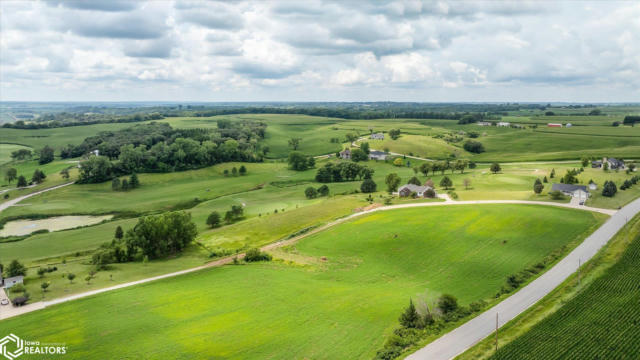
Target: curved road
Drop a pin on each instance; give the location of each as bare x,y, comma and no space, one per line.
462,338
15,311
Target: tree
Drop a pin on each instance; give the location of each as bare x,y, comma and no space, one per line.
365,147
65,173
430,193
21,154
398,162
87,279
447,303
323,190
163,234
392,180
394,134
410,317
125,184
10,174
115,184
242,170
545,180
15,268
44,286
300,162
472,165
71,276
214,219
119,233
474,147
585,161
552,174
234,171
254,254
368,186
310,192
228,217
537,186
425,168
495,168
461,165
446,182
133,181
359,155
38,176
22,182
294,143
414,180
96,169
46,155
609,189
605,166
467,183
556,195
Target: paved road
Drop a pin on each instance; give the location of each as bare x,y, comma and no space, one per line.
478,328
16,311
12,202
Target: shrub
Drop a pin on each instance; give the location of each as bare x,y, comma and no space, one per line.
310,192
447,303
254,254
474,146
323,190
556,195
19,301
368,186
609,189
430,193
410,317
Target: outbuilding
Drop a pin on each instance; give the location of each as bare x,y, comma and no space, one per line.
12,281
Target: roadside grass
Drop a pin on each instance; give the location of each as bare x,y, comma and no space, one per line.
341,307
563,295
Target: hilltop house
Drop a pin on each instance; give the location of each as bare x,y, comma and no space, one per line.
408,189
345,154
614,164
377,136
579,191
377,155
12,281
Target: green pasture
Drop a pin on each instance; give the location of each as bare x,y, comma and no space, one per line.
420,146
336,294
6,149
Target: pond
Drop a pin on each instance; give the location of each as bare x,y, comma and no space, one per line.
26,226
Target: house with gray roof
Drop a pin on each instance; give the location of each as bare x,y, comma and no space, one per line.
579,191
12,281
377,155
377,136
345,154
408,189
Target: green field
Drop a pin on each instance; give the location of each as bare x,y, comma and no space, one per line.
304,306
6,149
601,322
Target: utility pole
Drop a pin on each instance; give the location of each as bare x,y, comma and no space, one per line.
578,272
496,332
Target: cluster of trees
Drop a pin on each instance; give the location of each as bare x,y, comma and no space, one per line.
343,171
159,148
11,174
442,166
571,176
312,193
234,214
392,181
125,184
609,189
15,268
474,147
538,186
630,182
394,134
300,162
46,155
235,171
419,322
152,237
82,117
631,119
254,255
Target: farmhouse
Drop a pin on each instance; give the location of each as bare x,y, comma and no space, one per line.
11,281
614,164
504,124
579,191
377,136
554,125
569,125
407,190
345,154
377,155
483,123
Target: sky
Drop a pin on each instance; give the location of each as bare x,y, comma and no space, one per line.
315,50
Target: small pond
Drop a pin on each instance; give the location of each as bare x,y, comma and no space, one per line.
26,227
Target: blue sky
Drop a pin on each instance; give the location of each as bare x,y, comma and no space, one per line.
319,51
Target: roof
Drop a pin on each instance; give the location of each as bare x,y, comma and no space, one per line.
615,161
18,278
414,188
345,151
377,153
568,188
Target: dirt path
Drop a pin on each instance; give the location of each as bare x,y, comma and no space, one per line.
15,311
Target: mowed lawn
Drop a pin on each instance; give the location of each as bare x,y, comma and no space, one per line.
343,307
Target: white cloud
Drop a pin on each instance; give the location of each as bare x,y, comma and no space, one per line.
320,49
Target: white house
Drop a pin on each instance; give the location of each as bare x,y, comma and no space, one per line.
12,281
579,191
377,136
569,125
408,189
483,123
504,124
377,155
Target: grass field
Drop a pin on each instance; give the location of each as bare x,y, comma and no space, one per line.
6,149
305,307
600,322
421,146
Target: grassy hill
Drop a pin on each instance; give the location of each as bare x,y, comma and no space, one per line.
336,294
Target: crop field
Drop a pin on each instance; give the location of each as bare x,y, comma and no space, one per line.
304,306
601,322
